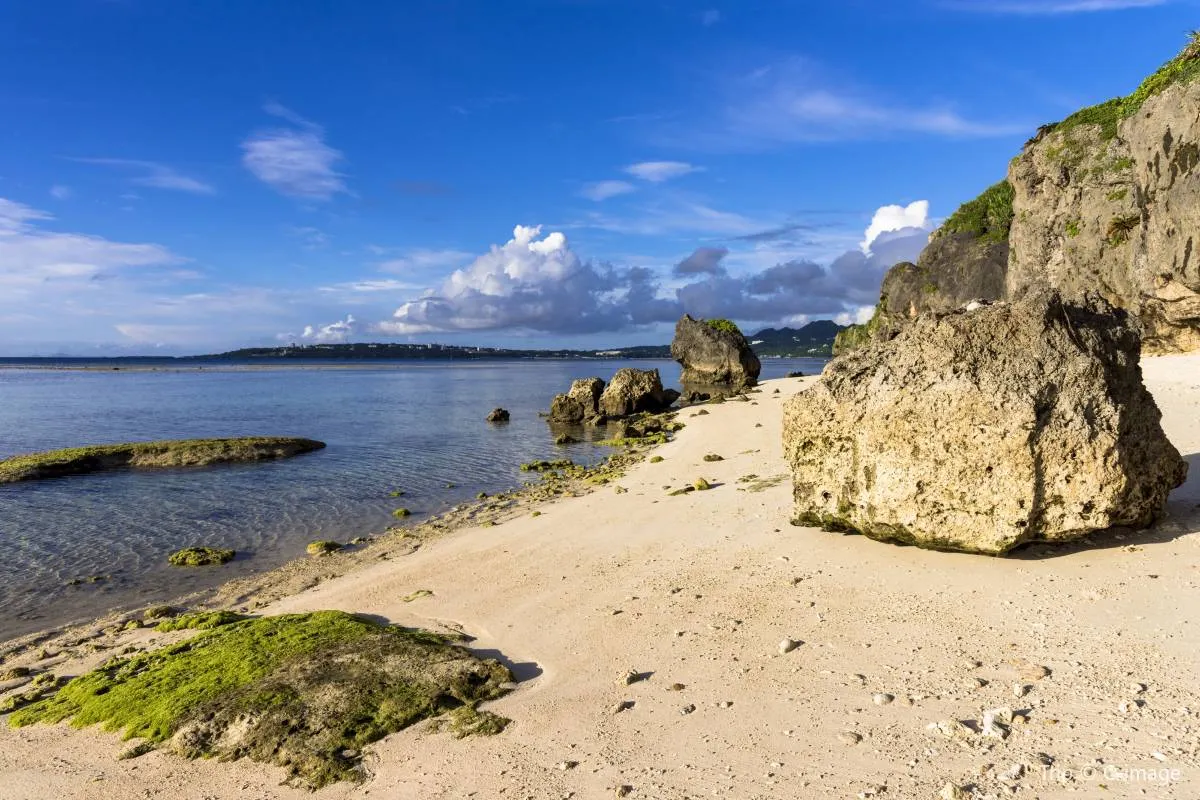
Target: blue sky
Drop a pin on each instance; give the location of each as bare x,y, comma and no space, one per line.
182,176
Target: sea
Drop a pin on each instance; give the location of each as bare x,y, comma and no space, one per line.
74,548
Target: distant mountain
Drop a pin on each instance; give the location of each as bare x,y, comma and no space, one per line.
814,339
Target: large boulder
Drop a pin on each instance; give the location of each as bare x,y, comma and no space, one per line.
633,390
715,356
579,404
982,429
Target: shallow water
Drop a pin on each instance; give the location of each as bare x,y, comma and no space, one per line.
415,427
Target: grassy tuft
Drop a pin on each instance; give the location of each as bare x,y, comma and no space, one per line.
989,216
723,325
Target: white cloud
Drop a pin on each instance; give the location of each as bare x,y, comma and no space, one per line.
294,161
895,218
533,282
421,259
794,101
59,192
676,215
1049,6
602,190
659,171
31,256
710,17
371,286
334,332
311,238
154,175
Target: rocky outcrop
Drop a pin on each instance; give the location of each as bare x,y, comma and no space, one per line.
1106,201
633,390
580,404
982,430
498,415
716,358
1111,203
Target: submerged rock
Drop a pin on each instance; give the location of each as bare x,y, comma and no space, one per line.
498,415
982,430
715,356
581,403
633,390
200,557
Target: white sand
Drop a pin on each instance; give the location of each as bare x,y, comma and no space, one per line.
699,590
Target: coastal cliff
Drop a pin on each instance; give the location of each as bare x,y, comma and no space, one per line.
1107,200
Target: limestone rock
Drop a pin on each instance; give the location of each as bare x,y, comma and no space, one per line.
633,390
579,404
716,358
1117,210
982,430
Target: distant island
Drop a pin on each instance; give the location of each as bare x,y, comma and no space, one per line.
814,339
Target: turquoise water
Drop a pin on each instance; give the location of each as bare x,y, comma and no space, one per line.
414,427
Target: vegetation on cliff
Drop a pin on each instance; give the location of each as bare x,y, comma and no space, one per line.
305,691
856,336
171,453
1183,68
723,325
989,216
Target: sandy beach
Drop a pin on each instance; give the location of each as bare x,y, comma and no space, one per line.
1093,645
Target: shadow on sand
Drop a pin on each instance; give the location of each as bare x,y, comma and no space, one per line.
1182,518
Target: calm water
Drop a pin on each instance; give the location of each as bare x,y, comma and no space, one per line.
415,427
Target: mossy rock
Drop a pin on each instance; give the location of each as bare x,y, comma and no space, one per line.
150,455
401,513
201,620
711,457
159,612
304,691
701,485
656,459
322,548
200,557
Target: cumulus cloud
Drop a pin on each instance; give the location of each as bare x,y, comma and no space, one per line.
154,175
895,218
602,190
333,333
532,282
536,282
294,161
702,261
659,171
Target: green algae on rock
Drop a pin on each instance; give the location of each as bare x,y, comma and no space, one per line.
322,548
150,455
200,557
200,621
304,691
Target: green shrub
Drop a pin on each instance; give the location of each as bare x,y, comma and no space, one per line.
723,325
989,216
